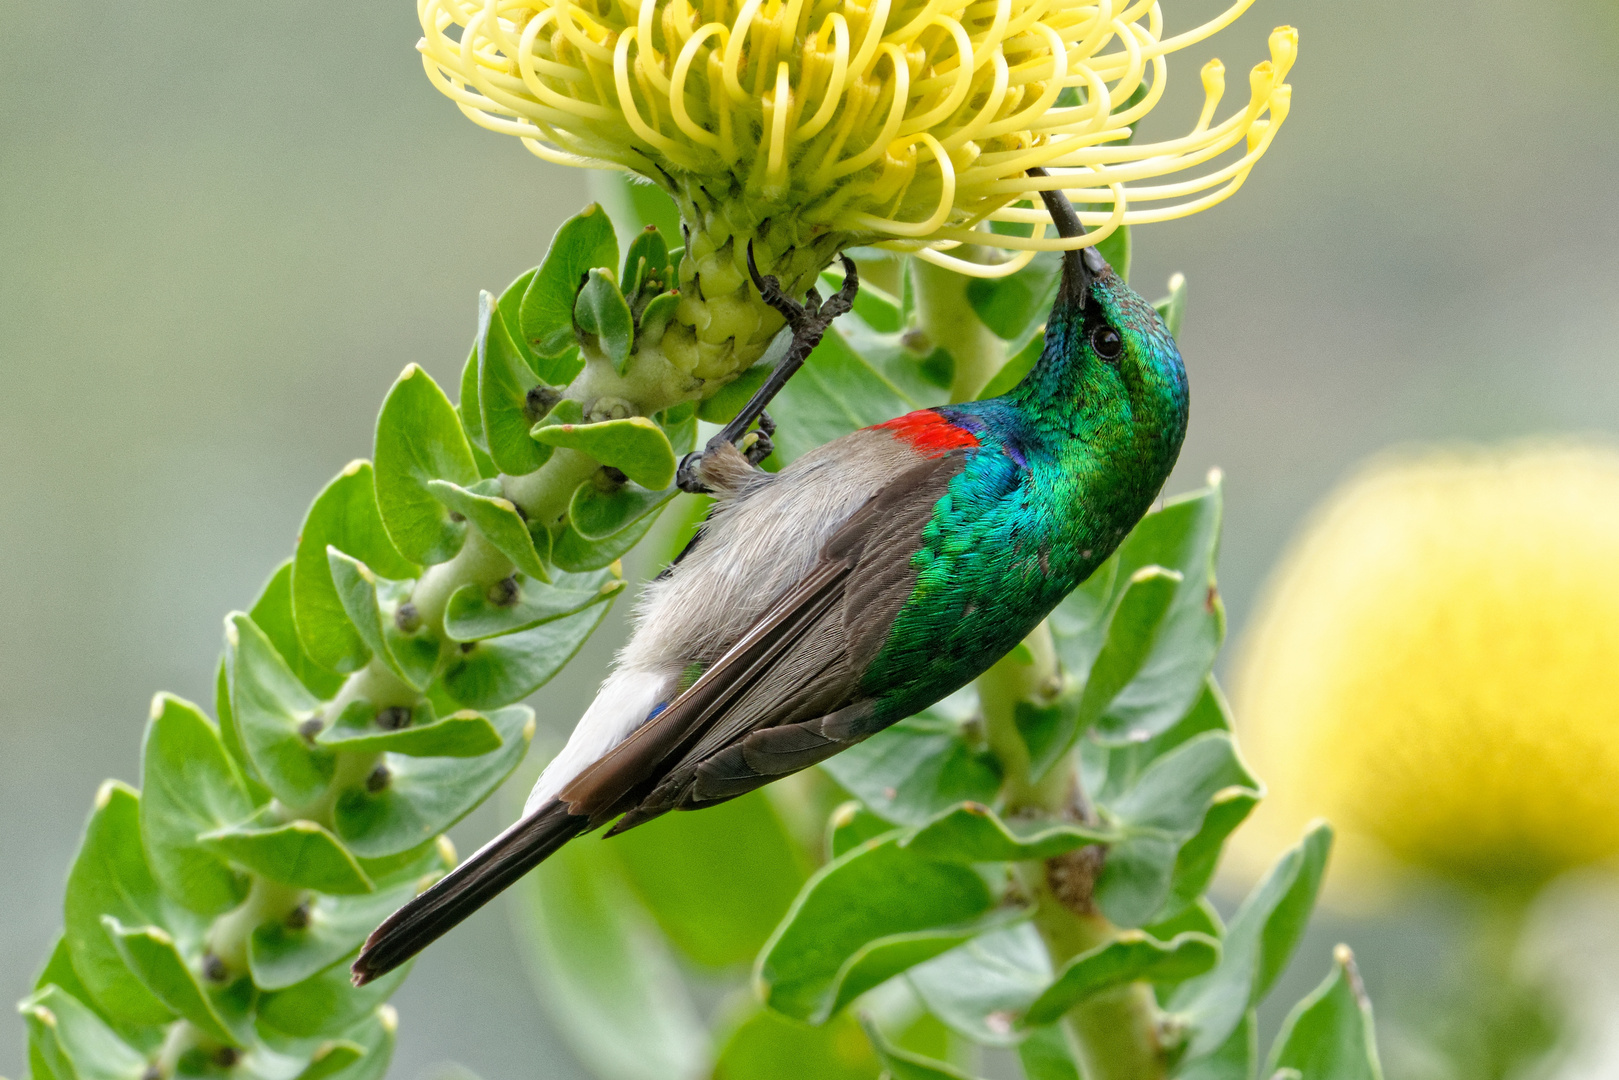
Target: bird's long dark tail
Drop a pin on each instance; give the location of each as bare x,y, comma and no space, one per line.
465,889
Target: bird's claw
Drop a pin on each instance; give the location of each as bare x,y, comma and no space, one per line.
762,445
689,474
688,477
807,321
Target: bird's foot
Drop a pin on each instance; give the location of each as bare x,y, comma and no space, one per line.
808,322
689,476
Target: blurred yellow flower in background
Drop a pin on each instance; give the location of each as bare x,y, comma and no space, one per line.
1436,667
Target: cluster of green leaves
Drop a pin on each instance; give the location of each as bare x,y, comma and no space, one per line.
365,703
368,700
915,917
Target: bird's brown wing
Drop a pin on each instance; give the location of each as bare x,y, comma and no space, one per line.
786,695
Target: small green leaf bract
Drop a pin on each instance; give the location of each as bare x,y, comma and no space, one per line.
1161,812
344,516
598,511
1127,958
413,657
973,833
1235,1059
269,703
154,958
545,317
272,612
655,318
189,787
419,439
110,876
1016,367
461,734
576,555
471,616
425,796
851,825
497,518
1199,857
299,853
325,1005
504,381
1172,308
1329,1035
1044,1055
917,768
467,407
979,989
1130,636
635,445
646,264
332,929
363,1052
601,313
862,919
73,1042
1164,684
1258,943
1115,248
903,1065
1013,307
501,670
759,1044
1184,536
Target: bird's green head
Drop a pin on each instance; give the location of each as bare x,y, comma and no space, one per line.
1108,355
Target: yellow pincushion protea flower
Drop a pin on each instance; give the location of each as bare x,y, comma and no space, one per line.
1437,665
809,126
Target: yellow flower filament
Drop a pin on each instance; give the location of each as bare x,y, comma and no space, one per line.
907,122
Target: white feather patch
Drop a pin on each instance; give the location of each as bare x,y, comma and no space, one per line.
622,705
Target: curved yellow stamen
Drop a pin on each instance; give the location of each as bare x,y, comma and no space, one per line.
778,108
901,87
963,80
733,51
677,98
646,58
626,99
947,195
834,83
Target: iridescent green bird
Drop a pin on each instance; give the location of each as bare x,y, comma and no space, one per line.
865,581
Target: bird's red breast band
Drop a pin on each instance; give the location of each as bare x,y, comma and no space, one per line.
928,433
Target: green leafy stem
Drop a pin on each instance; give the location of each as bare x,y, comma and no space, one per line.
367,700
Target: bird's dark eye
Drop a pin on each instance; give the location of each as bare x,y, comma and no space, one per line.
1107,342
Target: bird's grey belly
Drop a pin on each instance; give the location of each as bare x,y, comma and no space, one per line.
755,546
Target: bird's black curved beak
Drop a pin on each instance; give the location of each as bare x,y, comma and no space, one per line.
1081,267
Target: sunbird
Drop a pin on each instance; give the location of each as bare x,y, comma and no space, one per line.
865,581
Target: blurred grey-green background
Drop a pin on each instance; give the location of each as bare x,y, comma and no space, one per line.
225,227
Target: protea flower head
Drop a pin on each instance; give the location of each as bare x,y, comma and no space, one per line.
1435,667
809,126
